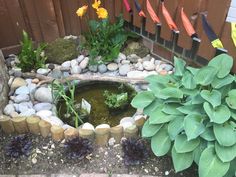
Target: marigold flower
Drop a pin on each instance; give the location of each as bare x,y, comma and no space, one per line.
81,11
96,4
102,13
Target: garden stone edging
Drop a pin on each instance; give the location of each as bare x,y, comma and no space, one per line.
33,92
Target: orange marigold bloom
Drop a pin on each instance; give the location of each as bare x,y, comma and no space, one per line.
102,13
96,4
81,11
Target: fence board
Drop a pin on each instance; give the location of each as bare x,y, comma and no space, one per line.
216,20
126,14
150,25
47,19
171,6
59,17
191,8
118,7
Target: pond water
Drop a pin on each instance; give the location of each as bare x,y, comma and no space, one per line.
92,92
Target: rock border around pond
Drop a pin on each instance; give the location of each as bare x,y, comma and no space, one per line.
31,107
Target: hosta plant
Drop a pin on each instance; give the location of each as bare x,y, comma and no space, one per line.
192,116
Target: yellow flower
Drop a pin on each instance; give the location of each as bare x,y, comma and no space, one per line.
81,11
102,13
96,4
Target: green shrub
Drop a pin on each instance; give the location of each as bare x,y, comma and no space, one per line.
192,114
116,101
61,50
29,57
105,39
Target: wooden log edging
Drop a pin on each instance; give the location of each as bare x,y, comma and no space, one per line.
35,125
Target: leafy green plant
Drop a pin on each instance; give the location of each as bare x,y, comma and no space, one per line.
105,39
192,115
29,57
60,93
116,101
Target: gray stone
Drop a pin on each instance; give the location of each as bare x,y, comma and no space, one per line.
139,66
18,73
158,62
66,74
43,71
43,94
51,66
147,58
123,62
148,65
32,87
80,58
84,63
127,122
76,70
66,64
42,106
74,63
102,68
124,69
122,56
93,68
133,58
23,107
29,112
9,109
136,74
53,120
88,126
44,114
166,67
56,74
65,69
21,98
103,126
112,66
22,90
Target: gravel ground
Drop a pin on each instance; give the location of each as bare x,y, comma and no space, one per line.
47,157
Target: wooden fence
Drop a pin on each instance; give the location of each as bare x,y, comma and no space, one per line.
47,20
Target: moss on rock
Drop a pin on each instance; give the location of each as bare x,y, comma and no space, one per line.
61,50
136,48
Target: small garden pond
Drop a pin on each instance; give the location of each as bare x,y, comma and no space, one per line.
93,93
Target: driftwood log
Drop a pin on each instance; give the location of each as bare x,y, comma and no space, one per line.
33,124
102,136
117,133
57,133
44,128
83,77
20,125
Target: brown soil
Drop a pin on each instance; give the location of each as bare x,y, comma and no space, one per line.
50,159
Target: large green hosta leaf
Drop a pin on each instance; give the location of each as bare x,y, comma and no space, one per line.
161,143
158,79
205,75
179,65
159,117
143,99
175,127
171,108
191,109
181,161
198,151
210,165
208,134
213,97
219,114
231,99
223,63
170,92
218,83
192,70
187,81
193,126
225,134
150,130
226,154
182,145
151,107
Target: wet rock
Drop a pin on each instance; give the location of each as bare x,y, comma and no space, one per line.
124,69
84,63
112,66
43,94
102,68
9,109
42,106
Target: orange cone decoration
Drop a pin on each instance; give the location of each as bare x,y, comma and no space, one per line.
168,18
187,24
152,13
